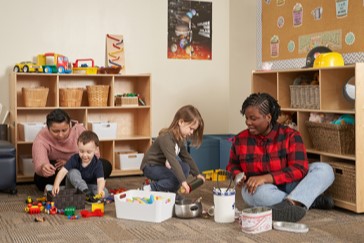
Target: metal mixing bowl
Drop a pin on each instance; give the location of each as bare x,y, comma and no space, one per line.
187,209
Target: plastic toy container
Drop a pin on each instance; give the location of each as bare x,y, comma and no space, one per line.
29,130
26,165
129,205
104,130
129,160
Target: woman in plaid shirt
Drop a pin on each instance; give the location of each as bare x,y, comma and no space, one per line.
274,160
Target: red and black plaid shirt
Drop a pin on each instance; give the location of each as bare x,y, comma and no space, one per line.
281,153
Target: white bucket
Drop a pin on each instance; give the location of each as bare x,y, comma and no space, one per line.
224,205
256,220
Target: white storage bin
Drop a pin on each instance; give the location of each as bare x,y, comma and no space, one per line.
29,130
104,130
130,207
129,160
26,165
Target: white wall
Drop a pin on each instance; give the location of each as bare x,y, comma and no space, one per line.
242,58
78,29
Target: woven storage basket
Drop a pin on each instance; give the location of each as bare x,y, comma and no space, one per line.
305,96
70,97
126,101
97,95
338,139
35,97
343,187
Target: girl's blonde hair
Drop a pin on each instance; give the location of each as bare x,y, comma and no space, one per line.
188,114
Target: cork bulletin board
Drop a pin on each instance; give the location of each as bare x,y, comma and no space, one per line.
290,29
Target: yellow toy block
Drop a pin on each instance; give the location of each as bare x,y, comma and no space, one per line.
95,206
208,174
213,175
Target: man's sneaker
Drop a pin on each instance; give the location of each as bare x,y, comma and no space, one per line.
286,211
323,202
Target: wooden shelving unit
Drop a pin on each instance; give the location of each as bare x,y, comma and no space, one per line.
331,82
133,122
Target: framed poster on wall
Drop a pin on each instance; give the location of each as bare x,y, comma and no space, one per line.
189,30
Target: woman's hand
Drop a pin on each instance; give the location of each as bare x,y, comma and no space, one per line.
48,170
254,181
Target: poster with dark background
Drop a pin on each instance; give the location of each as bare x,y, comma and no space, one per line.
189,30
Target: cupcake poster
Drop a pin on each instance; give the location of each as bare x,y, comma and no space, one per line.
274,46
297,15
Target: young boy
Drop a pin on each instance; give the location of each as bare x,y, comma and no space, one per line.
84,170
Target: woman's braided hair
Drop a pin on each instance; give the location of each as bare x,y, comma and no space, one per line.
265,103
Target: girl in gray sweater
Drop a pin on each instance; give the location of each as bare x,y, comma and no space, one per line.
167,163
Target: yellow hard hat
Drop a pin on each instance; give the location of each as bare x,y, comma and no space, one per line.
329,59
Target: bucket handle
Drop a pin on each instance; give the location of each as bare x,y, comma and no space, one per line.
224,173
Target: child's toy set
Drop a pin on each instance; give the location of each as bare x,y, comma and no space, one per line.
51,62
144,205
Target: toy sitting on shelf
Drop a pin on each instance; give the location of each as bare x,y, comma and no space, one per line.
128,99
286,119
332,118
84,68
344,119
109,70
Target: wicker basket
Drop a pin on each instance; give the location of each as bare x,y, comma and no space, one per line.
70,97
35,97
305,96
338,139
343,187
126,101
97,95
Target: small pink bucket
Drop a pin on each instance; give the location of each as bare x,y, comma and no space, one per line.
256,220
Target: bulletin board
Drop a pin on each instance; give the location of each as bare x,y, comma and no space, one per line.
290,29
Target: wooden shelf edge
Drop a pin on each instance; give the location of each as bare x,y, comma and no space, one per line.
21,178
318,111
126,172
347,205
341,156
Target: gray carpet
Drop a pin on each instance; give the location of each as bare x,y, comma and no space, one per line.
17,226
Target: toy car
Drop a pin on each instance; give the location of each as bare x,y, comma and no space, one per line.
27,66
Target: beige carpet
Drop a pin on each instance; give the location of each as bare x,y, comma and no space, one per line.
18,226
